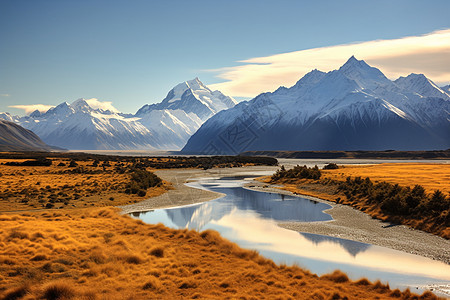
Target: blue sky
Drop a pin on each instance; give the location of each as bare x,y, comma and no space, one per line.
133,52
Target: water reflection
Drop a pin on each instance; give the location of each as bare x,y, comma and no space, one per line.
250,219
352,247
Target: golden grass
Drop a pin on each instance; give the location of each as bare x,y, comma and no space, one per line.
98,254
31,188
430,176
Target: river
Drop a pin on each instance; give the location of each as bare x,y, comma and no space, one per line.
249,218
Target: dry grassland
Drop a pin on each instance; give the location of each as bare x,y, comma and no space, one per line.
81,251
41,187
98,254
430,176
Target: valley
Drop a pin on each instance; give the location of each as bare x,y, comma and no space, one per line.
88,252
225,150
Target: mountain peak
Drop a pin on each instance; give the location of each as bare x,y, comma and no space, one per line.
35,114
365,76
192,96
79,102
420,84
195,84
352,59
310,78
81,105
352,62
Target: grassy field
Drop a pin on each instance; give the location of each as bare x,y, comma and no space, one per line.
96,253
74,249
334,186
61,186
430,176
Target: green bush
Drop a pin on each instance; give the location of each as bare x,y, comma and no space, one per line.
298,172
330,166
140,181
396,200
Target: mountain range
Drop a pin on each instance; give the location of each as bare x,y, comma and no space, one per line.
353,108
163,126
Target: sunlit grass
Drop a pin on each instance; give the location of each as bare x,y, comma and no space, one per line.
42,187
98,254
431,177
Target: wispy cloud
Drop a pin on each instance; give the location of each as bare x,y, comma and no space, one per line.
5,95
105,105
32,107
428,54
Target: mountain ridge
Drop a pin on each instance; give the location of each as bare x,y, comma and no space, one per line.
16,138
163,126
353,108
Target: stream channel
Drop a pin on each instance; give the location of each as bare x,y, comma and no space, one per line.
249,218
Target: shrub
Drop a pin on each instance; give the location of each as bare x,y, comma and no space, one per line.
41,161
298,172
330,166
142,180
396,200
73,164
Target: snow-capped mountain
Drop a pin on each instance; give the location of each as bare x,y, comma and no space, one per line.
78,126
192,97
353,108
418,83
164,126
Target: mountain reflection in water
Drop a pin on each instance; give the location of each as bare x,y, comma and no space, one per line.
250,218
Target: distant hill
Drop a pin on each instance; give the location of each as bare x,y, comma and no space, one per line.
389,154
16,138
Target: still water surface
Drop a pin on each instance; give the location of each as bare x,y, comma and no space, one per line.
250,218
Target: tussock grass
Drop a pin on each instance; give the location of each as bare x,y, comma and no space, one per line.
157,251
413,194
54,186
58,291
150,262
15,293
336,276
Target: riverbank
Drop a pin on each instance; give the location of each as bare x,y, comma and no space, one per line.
352,224
96,253
347,223
182,194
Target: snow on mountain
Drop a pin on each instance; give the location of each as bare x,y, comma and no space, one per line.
353,108
78,126
418,83
8,117
192,97
446,88
163,126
